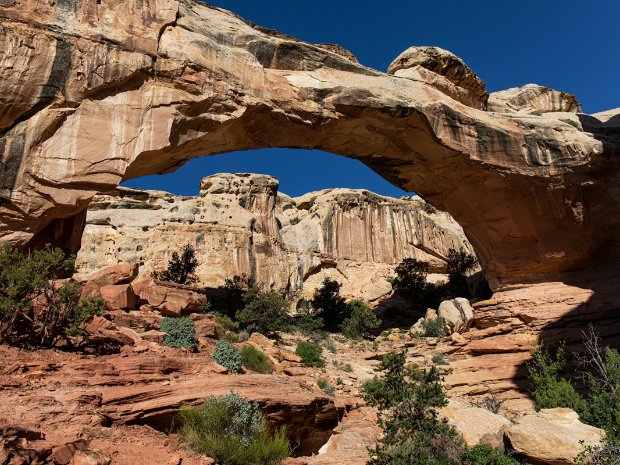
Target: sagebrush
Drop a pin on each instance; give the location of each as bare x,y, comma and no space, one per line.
180,332
233,431
228,356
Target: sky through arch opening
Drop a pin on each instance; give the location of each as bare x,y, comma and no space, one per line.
298,171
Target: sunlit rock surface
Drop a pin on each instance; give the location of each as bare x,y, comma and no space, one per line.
241,224
94,93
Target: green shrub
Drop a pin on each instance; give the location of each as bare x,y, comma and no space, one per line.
458,264
599,455
601,370
410,283
225,322
180,332
228,356
307,320
255,360
310,353
82,313
25,277
407,400
327,388
485,455
264,312
359,320
329,304
433,328
233,338
233,431
549,389
438,359
180,269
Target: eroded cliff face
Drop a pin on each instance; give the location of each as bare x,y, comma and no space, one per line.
96,92
240,224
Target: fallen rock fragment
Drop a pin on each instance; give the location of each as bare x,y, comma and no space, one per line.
553,436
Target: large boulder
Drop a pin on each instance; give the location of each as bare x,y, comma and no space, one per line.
476,424
457,315
467,86
109,276
532,98
169,298
553,436
118,296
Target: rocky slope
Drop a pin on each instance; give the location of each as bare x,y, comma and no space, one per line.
240,224
94,93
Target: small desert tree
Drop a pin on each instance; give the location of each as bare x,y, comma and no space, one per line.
181,268
408,399
329,305
458,264
36,307
410,283
264,312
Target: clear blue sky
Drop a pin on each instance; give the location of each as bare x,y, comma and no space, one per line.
570,45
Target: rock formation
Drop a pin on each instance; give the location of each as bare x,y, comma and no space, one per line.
240,224
532,98
97,92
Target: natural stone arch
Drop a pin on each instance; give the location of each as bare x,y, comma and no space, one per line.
89,104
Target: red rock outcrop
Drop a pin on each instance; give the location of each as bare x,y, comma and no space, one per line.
63,397
88,101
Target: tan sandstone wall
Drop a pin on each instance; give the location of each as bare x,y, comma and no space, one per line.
241,224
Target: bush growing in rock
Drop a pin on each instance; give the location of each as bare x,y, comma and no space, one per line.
410,283
433,327
408,400
329,305
228,356
34,306
307,321
458,264
255,360
485,455
181,268
324,385
549,388
310,353
233,431
601,372
600,455
180,332
360,319
264,312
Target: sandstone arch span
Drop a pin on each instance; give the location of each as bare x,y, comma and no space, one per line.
97,92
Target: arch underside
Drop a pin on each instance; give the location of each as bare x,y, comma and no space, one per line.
93,106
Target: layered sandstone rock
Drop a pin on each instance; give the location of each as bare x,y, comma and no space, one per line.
466,87
553,436
533,98
240,224
94,93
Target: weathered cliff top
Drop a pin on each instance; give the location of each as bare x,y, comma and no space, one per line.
97,92
240,224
